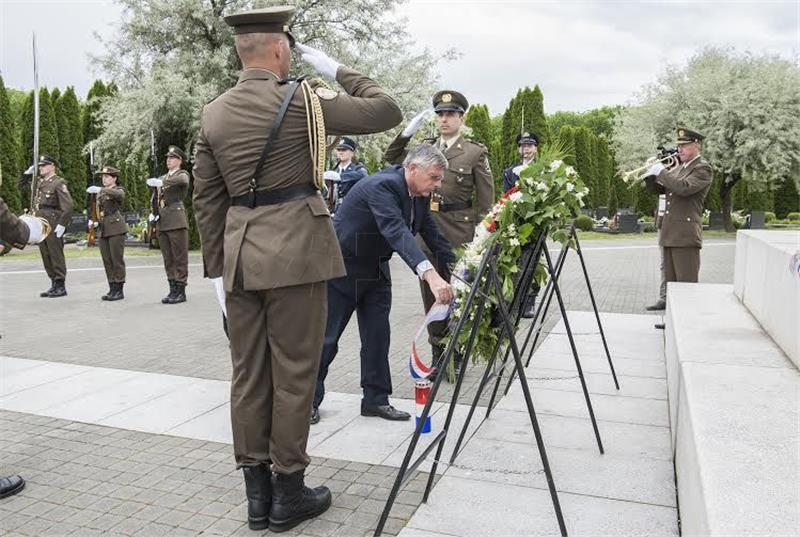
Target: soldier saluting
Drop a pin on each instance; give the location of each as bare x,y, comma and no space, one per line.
53,202
267,236
173,226
113,229
466,194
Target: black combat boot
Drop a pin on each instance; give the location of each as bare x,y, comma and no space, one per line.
171,295
180,294
59,290
293,502
110,291
46,294
258,487
116,292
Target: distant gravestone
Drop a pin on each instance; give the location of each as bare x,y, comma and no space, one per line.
628,223
601,212
756,220
716,221
132,218
79,223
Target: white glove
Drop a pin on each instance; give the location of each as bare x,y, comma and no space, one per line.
416,122
320,61
60,230
152,218
155,182
38,227
92,223
655,169
94,189
331,175
219,290
517,169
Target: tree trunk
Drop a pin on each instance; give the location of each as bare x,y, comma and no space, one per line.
726,193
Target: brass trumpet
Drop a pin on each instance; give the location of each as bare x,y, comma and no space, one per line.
667,157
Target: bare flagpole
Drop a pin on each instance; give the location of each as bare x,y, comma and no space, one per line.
35,166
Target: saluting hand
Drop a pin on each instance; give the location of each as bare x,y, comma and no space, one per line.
440,288
416,122
320,61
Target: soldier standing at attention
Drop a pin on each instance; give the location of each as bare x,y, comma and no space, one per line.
259,161
53,202
112,230
466,194
173,226
528,144
685,186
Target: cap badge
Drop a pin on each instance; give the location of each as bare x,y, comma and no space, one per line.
446,97
681,132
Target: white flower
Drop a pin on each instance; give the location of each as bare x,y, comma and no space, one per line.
514,241
570,187
542,186
516,196
571,171
555,165
512,229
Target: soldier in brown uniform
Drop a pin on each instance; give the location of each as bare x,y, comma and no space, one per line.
112,230
266,233
53,202
173,226
685,186
466,194
18,231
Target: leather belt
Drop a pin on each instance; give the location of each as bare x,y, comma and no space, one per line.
259,198
455,206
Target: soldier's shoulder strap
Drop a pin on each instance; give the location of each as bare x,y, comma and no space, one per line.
428,141
475,143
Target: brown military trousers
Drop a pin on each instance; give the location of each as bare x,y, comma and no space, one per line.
174,246
52,250
112,249
681,264
276,342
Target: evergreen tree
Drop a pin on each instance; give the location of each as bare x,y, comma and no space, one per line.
535,119
604,172
89,118
478,120
70,135
54,96
566,137
787,199
9,154
528,104
585,164
48,128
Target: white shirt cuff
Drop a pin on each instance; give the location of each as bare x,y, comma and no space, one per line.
423,267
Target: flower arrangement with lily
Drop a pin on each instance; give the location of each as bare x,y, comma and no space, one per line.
548,195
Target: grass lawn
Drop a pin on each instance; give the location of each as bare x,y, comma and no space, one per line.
72,251
593,235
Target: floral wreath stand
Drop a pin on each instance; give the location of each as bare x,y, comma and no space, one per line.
506,318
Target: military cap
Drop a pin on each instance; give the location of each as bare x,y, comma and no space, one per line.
527,138
686,136
449,100
108,170
175,151
47,159
347,143
269,20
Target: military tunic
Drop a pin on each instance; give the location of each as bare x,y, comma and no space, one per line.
173,226
275,259
112,232
680,236
53,203
467,194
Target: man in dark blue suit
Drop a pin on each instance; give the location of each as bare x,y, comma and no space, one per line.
380,216
528,144
345,174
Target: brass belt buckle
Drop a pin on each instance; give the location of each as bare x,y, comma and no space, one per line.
435,200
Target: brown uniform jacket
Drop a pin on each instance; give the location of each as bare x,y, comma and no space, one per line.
686,190
53,201
109,207
171,212
12,230
467,179
290,243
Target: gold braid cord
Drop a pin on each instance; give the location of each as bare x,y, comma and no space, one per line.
316,132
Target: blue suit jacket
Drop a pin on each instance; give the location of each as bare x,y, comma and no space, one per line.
374,221
509,178
350,176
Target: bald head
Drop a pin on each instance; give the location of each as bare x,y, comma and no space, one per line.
264,51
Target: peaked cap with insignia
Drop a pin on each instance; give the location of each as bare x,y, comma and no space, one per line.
448,100
686,136
269,20
527,138
108,170
47,159
347,143
175,151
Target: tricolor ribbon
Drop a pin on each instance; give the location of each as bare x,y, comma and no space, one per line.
418,368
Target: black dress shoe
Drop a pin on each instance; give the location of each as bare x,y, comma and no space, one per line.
659,326
11,485
314,415
387,412
658,306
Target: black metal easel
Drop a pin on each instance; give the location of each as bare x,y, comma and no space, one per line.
506,317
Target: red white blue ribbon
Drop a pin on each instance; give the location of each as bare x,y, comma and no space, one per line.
418,368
